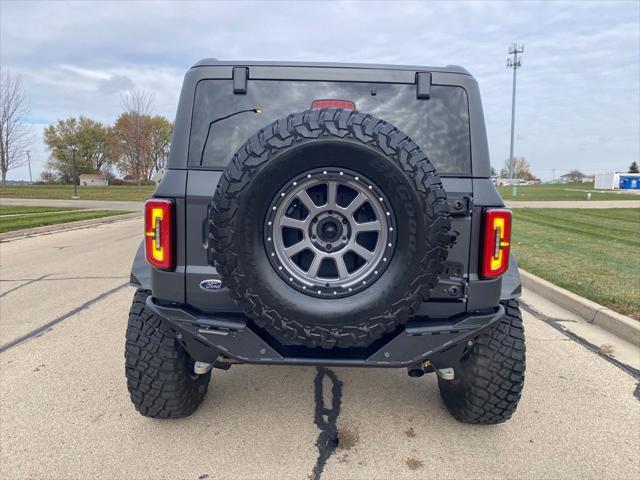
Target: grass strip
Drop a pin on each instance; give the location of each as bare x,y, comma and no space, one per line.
594,253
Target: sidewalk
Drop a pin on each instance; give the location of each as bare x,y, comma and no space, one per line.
572,203
88,204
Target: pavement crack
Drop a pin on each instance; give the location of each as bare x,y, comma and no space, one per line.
47,326
326,418
45,278
555,324
28,282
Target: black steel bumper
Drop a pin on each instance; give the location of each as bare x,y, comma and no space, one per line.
207,337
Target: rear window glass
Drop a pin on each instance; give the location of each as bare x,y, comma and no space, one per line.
439,125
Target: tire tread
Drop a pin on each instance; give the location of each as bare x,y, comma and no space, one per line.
159,379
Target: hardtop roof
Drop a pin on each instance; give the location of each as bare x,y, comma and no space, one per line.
213,62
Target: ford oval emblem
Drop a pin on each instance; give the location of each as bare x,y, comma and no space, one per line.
211,284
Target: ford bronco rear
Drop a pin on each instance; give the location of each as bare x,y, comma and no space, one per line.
327,214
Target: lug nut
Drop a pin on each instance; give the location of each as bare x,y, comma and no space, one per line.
329,246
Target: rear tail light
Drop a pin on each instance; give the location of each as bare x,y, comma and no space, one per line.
496,242
158,233
318,104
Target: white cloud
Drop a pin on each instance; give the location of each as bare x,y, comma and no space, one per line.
578,90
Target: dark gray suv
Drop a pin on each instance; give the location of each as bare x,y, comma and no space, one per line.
327,214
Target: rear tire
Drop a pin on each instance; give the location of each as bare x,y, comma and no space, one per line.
159,371
488,381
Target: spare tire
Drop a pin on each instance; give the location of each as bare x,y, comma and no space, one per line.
329,227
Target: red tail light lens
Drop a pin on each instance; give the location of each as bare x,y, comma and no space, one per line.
158,233
496,243
318,104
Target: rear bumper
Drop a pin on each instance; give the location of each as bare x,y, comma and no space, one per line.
207,338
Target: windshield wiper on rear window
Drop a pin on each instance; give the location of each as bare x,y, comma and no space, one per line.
206,139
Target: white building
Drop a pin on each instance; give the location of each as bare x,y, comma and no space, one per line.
616,181
93,180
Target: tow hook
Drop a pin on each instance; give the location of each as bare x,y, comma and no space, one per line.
446,373
200,368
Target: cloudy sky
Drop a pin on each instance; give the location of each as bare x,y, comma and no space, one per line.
578,89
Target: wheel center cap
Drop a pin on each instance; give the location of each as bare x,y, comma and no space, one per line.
329,230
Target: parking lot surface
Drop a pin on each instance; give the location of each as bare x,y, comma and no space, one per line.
65,411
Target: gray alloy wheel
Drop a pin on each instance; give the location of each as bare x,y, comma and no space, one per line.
330,232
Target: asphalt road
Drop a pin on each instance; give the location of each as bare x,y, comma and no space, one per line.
65,411
92,204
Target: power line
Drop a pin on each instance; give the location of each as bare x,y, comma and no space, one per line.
515,63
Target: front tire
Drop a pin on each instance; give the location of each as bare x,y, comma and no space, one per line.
488,381
159,371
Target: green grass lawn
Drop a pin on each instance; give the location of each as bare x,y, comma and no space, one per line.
562,191
65,192
17,218
20,210
594,253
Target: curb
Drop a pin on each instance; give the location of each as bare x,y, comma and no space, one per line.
620,325
60,227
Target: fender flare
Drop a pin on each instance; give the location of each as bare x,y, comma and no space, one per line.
140,270
511,284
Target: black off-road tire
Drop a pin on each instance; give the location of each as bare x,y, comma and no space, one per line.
267,161
488,381
159,371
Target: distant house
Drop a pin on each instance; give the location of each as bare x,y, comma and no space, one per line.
93,180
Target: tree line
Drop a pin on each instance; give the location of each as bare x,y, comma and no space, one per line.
137,144
15,136
520,167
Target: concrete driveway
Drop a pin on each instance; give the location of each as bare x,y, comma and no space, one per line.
65,411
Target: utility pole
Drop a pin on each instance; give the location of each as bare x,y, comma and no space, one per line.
75,173
515,63
554,175
29,163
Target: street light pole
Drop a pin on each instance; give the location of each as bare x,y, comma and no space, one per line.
514,63
29,163
75,173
